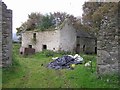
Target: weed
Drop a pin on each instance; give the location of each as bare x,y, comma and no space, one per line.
31,72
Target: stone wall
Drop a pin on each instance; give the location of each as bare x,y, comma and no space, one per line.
6,34
107,45
0,34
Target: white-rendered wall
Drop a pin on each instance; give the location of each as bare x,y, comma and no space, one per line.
68,37
49,38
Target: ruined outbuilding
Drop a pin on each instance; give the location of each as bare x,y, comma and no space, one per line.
5,35
86,43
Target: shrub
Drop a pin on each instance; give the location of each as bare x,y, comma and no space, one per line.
48,53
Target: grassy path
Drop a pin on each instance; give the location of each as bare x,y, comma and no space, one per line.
31,72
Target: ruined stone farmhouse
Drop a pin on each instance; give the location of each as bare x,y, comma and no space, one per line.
65,38
5,35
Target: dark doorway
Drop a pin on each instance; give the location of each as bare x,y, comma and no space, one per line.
78,48
29,46
95,50
83,48
44,47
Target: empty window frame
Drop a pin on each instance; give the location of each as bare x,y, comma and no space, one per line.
29,46
44,47
34,36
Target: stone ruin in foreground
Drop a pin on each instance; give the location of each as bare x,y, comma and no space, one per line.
108,45
5,35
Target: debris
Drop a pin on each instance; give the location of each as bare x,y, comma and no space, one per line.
67,61
78,58
73,65
54,58
88,64
71,56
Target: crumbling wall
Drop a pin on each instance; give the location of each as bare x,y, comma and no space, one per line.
6,35
0,34
107,45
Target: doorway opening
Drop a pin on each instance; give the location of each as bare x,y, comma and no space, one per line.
83,48
95,50
78,48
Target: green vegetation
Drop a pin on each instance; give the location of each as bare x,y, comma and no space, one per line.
46,22
96,13
42,22
31,72
39,22
0,78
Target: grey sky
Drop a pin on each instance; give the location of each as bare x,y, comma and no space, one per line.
21,8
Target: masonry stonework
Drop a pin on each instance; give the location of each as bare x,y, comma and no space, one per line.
5,35
0,34
107,45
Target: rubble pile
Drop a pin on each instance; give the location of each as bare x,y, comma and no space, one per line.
65,62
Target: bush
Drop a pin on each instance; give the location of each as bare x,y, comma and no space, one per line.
48,53
15,62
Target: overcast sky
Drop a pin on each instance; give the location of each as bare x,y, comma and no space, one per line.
21,8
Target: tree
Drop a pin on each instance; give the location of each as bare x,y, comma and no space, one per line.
89,8
46,22
43,22
95,13
32,22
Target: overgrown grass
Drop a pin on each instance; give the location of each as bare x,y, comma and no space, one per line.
31,72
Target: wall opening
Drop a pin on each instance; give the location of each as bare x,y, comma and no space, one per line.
34,36
78,36
53,48
78,45
29,46
44,47
95,50
78,48
83,48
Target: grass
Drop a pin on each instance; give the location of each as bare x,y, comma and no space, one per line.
31,72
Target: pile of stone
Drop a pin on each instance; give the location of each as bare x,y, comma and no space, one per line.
65,62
